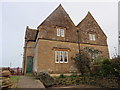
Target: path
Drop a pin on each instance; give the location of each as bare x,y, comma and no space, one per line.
29,82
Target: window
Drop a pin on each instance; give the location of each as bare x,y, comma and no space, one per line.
60,32
61,57
65,57
92,37
57,56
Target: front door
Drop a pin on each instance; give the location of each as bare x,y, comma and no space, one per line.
29,64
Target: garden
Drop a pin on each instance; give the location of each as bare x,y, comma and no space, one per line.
101,73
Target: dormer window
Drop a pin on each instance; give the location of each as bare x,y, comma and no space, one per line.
92,37
60,32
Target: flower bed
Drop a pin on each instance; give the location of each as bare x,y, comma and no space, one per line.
95,81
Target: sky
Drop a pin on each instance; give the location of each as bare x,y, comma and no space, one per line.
17,15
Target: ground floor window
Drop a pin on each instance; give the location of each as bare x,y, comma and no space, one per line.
61,57
65,57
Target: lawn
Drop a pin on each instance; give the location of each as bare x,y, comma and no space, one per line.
14,80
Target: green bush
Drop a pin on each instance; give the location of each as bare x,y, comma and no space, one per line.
106,68
62,76
82,62
116,65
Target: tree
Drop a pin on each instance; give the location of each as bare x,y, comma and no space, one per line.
94,53
82,62
85,57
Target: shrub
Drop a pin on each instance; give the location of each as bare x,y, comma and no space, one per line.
116,65
82,62
106,68
62,76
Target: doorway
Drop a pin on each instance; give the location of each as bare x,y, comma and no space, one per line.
29,67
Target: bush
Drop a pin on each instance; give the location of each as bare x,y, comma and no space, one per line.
106,68
46,79
61,76
116,65
82,62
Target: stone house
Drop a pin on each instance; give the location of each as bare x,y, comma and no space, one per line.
51,46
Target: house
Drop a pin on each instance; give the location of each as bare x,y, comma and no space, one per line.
51,46
119,43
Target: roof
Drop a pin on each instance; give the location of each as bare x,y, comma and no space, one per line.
89,17
31,34
58,18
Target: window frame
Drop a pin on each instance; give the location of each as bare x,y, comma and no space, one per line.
66,56
58,32
92,37
62,32
58,53
62,57
56,56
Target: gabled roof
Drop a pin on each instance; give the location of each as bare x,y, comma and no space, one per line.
30,34
58,17
89,17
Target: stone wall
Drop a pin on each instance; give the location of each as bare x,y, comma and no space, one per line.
43,42
46,55
28,51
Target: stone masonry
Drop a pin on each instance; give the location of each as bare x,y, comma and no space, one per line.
42,43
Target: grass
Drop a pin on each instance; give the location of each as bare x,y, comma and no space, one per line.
14,80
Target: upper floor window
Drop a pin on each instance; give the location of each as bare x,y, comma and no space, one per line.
61,57
92,37
60,32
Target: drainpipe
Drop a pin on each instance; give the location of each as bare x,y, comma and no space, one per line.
81,69
78,42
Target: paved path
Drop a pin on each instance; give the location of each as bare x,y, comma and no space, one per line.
29,82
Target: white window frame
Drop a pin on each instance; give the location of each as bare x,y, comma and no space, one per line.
62,32
92,37
66,55
57,53
62,57
58,32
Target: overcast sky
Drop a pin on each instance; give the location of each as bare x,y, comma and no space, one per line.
16,16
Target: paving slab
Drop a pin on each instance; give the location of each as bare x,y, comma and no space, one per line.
29,82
